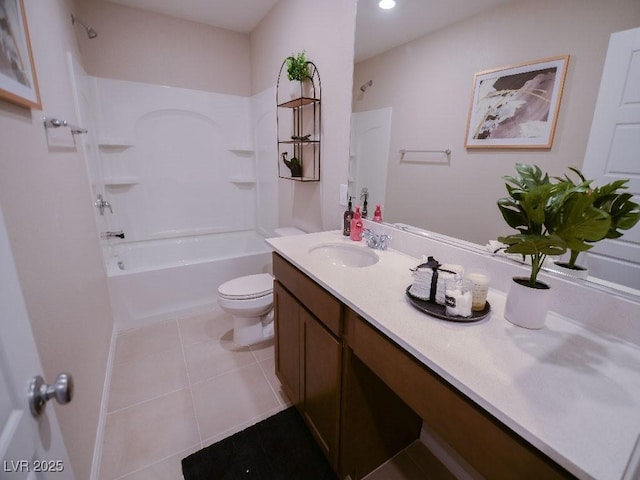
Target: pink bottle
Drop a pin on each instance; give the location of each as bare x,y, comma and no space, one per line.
356,226
377,215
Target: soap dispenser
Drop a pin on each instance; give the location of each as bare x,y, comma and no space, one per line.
348,215
356,226
377,215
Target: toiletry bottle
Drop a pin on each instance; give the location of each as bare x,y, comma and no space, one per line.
356,226
377,215
348,215
364,208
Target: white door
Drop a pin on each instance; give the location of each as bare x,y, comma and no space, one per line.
29,448
369,156
613,152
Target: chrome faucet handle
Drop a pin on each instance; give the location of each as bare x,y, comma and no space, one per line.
383,242
370,238
101,204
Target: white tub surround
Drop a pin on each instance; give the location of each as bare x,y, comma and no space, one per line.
571,389
173,161
160,279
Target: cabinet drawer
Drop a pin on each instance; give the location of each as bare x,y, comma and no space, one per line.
314,298
489,446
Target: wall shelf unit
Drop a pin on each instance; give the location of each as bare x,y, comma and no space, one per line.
298,119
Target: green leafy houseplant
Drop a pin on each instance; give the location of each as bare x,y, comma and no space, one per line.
298,67
593,214
530,207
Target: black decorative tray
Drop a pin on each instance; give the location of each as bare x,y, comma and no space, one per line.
439,311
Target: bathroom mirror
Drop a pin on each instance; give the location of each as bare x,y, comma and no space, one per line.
416,96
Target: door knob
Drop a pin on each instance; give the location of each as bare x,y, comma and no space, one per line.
40,393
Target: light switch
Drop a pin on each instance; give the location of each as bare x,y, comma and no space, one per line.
343,194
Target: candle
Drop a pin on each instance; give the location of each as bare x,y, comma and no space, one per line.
480,279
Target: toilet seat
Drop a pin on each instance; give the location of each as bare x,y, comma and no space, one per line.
247,288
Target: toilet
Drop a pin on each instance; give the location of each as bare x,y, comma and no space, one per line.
249,300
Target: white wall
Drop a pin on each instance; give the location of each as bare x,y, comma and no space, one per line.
48,211
428,83
325,30
148,47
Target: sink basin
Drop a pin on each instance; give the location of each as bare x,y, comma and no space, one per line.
342,255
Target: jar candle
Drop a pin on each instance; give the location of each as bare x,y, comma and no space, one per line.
480,280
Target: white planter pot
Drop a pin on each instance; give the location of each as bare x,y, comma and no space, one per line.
296,90
526,306
577,272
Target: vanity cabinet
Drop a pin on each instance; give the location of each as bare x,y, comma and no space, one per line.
308,352
486,444
333,391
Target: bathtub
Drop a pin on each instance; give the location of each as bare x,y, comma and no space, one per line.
156,280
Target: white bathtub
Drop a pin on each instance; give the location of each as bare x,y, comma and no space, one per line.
163,279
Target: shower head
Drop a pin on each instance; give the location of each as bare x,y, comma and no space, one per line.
91,33
366,85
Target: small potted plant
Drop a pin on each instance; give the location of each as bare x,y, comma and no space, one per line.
297,72
589,215
529,208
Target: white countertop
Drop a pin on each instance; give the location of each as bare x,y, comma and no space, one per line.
570,390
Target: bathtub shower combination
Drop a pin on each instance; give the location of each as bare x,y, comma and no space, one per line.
157,279
180,170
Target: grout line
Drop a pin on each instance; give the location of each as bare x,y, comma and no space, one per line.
137,470
269,383
241,426
186,368
147,354
148,400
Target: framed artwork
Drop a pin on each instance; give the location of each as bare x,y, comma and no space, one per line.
516,106
18,82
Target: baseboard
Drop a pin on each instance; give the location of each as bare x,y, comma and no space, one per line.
97,450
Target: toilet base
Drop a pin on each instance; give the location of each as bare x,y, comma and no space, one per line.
251,330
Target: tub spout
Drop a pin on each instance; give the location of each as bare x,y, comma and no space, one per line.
107,235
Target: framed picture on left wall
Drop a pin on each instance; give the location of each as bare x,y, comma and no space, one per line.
18,81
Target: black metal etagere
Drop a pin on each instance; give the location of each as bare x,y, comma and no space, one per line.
298,121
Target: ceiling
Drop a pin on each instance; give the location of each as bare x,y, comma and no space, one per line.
376,30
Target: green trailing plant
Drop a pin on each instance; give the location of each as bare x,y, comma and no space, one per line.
298,67
530,208
590,214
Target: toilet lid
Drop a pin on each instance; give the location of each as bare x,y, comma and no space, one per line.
245,288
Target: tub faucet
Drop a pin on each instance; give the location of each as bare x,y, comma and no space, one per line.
101,204
376,241
107,235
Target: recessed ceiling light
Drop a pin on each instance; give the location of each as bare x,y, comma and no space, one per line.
386,4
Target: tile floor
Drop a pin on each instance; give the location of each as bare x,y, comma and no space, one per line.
180,385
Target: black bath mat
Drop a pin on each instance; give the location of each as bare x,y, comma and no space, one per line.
278,448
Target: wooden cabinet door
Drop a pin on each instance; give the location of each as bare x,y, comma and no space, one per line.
321,375
287,341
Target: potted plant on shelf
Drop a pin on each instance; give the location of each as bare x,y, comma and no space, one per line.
294,165
530,208
600,212
297,73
